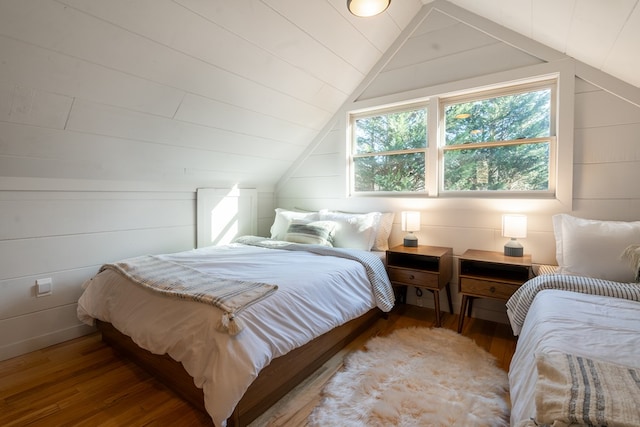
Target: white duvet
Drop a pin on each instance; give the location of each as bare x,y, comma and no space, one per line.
315,294
598,327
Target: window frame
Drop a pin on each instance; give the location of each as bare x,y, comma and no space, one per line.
351,148
562,70
479,95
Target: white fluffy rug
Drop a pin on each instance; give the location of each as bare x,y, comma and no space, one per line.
416,377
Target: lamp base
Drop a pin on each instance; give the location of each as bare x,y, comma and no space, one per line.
513,248
411,241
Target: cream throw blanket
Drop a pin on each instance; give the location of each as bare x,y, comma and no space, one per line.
576,391
173,279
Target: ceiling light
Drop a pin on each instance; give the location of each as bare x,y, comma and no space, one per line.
366,8
462,116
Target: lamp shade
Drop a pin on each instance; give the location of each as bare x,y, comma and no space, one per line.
514,226
411,221
366,8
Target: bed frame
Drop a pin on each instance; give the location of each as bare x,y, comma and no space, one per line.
274,381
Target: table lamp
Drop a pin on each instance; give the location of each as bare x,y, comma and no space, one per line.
514,226
411,223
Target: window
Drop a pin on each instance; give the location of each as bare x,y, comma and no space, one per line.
389,151
500,142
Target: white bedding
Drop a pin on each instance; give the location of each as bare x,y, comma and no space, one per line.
598,327
315,294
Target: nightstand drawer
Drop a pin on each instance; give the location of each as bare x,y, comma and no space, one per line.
487,288
413,277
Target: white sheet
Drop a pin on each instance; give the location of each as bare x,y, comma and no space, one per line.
315,294
599,327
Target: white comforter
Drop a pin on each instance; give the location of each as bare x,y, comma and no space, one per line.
315,294
598,327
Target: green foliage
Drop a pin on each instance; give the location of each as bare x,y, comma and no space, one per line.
399,172
381,165
390,133
504,118
502,168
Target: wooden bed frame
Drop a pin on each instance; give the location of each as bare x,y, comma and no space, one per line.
274,381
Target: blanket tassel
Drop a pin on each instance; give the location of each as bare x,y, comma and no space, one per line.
229,323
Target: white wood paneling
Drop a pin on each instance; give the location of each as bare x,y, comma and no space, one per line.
595,26
604,125
45,70
30,215
108,121
197,109
19,295
595,109
619,60
433,44
176,27
608,144
28,257
487,59
224,214
41,329
256,22
21,104
608,181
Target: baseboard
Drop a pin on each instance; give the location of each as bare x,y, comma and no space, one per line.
42,341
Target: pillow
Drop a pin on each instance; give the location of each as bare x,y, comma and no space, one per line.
284,218
632,255
592,248
314,233
385,223
354,231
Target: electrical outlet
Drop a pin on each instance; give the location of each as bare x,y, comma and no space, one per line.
44,287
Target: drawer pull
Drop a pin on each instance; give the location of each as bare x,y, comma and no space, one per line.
412,277
492,289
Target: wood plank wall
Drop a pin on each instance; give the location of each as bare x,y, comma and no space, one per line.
66,236
606,160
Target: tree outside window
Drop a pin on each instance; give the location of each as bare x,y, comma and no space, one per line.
496,142
389,152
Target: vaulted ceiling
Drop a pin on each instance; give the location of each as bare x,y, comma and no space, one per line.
231,91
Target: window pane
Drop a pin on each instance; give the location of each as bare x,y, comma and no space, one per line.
389,132
400,172
503,118
504,168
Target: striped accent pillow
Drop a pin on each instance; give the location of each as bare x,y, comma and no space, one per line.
315,233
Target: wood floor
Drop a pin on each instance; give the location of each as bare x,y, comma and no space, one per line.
83,382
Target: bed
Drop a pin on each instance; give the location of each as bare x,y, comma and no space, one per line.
234,361
577,359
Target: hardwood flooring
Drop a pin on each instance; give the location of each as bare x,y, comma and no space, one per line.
83,382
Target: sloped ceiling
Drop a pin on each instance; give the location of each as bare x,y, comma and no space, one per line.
602,34
224,92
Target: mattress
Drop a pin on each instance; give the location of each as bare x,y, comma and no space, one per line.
598,327
315,294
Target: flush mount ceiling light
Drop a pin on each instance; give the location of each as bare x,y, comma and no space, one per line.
366,8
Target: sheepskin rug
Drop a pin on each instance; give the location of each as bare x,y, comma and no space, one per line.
416,377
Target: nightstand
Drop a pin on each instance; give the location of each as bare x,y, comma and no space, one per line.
424,267
487,274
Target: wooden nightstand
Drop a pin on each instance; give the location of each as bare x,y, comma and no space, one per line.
425,267
486,274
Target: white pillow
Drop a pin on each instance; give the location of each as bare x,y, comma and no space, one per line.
284,218
354,231
593,248
383,231
314,233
